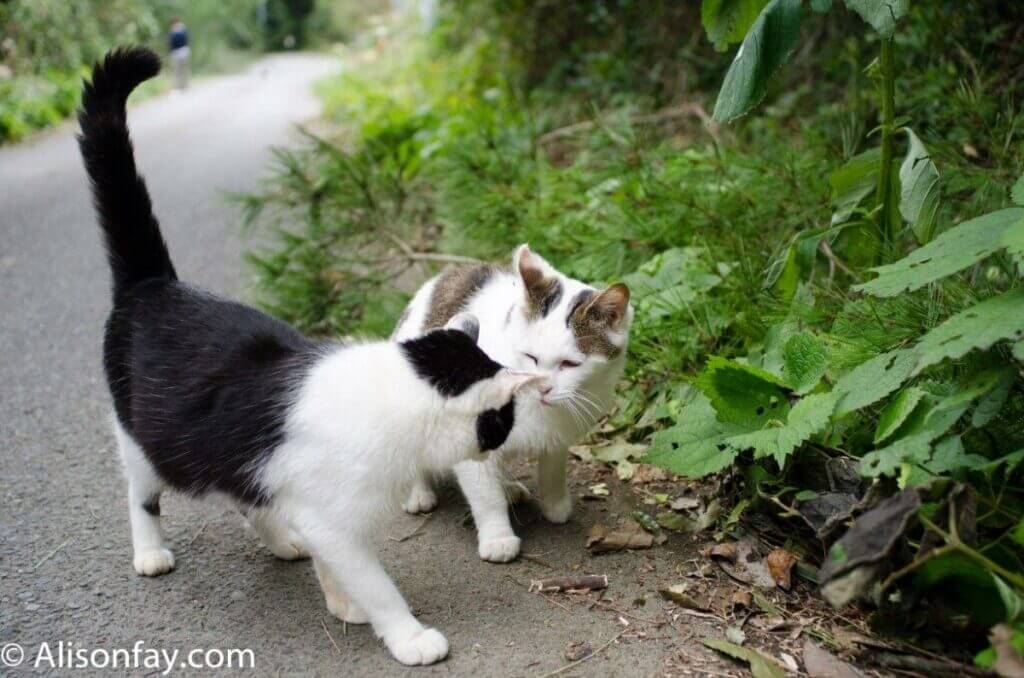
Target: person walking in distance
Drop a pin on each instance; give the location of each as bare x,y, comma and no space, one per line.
177,43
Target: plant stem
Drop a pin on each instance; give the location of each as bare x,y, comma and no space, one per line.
954,542
883,194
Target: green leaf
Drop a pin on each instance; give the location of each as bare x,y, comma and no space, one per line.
694,447
952,251
1018,533
1017,192
766,47
919,193
977,327
804,362
1018,351
881,14
743,394
871,381
727,21
949,456
853,182
671,281
809,416
1013,241
886,461
1012,601
896,412
993,401
821,6
761,666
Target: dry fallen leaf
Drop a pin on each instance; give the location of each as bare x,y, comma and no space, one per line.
629,536
821,663
647,473
742,599
1009,662
680,595
780,564
684,503
724,551
578,650
739,561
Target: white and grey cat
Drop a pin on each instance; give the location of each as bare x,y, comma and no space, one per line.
531,317
315,442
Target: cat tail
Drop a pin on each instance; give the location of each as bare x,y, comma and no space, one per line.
135,248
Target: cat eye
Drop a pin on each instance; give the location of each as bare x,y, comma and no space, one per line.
531,357
569,364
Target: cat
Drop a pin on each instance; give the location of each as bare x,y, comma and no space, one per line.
313,441
535,318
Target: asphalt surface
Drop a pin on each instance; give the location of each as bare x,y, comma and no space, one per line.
65,557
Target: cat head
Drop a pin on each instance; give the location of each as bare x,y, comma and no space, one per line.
571,332
477,406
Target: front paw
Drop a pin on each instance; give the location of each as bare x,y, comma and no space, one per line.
289,547
419,649
557,511
421,500
153,562
500,549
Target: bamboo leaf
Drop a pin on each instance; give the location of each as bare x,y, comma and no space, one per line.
896,412
766,47
920,189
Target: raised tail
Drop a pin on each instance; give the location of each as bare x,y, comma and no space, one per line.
135,248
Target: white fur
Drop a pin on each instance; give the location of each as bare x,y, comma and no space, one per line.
581,396
364,428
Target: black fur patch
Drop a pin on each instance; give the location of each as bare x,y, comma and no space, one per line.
152,505
552,295
449,360
203,385
493,426
582,297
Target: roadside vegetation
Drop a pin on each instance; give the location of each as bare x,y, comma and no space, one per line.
47,46
819,209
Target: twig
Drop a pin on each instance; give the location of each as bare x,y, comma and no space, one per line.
927,666
329,636
680,111
196,535
834,261
555,602
51,554
414,532
413,255
604,605
592,582
589,656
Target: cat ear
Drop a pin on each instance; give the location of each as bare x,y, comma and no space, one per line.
610,308
541,285
531,268
466,323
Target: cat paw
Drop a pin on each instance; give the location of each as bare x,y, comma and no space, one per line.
499,550
558,511
345,610
419,649
516,492
153,562
421,500
288,546
292,549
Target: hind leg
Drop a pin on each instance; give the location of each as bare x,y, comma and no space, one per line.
151,557
281,539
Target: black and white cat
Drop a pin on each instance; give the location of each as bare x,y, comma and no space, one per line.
314,441
536,318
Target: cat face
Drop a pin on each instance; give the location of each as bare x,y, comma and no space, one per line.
478,395
568,331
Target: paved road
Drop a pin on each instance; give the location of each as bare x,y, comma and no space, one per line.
65,563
